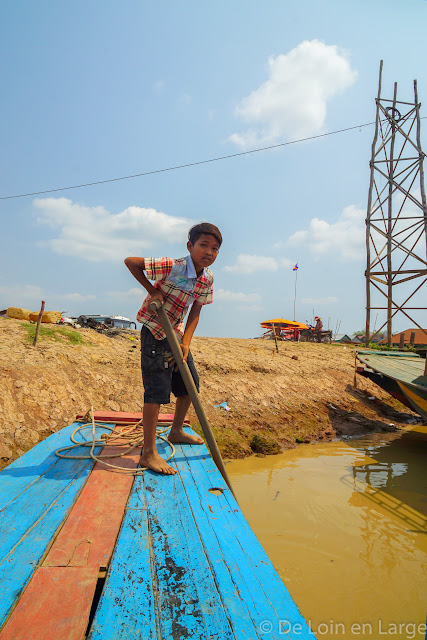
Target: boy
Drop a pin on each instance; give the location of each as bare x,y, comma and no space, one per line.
178,284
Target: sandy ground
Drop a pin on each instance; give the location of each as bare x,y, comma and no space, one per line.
302,394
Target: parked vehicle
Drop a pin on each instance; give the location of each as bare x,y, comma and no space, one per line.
116,322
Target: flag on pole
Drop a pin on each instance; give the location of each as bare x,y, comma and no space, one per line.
295,267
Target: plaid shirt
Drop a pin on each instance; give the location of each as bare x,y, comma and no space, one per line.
178,282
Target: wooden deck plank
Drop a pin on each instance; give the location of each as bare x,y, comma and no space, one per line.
21,473
264,594
249,551
29,524
90,531
226,580
55,605
186,598
189,604
33,503
126,608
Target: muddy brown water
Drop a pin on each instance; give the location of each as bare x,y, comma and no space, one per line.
345,525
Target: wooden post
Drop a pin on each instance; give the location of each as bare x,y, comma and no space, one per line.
421,165
156,306
275,338
39,319
390,225
368,215
355,371
422,186
402,340
412,339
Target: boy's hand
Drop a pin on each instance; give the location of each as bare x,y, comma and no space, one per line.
157,295
185,348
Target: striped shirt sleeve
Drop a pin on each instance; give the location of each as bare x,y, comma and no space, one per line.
203,293
158,268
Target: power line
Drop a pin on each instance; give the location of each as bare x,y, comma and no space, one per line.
184,166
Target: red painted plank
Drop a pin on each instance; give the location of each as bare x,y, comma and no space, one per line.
124,416
55,605
88,536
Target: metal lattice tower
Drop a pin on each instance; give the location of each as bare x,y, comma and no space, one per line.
396,222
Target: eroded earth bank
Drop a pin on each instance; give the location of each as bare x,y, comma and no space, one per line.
302,394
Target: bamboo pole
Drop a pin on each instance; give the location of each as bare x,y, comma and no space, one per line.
368,214
422,187
156,306
389,222
39,319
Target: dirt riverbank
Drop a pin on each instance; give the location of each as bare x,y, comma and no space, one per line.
302,394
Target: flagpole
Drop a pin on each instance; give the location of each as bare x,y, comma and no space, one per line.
295,297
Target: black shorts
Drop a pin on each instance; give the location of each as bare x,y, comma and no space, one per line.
158,377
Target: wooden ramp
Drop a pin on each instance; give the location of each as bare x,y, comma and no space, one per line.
401,374
86,553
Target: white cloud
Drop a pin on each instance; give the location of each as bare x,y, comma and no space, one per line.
248,263
158,86
131,294
185,98
95,234
244,301
30,296
77,297
20,294
344,239
292,103
316,301
236,296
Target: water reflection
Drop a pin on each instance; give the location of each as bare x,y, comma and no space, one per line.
397,472
344,523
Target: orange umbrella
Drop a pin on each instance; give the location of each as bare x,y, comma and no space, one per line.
283,324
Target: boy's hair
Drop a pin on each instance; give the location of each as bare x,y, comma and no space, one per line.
204,227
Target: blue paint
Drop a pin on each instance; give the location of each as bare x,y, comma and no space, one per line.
40,492
186,563
258,582
35,462
187,593
202,571
126,608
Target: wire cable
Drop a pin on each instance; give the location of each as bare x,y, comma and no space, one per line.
185,166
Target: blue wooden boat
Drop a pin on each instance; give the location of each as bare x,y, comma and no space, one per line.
86,553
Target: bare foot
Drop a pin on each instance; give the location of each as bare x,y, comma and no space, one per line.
181,436
156,463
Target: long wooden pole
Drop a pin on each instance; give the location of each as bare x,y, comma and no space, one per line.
368,215
39,319
191,389
422,187
390,222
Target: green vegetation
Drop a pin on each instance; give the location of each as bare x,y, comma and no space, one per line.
60,334
395,347
264,444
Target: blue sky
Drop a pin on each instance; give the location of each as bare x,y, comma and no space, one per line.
96,90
